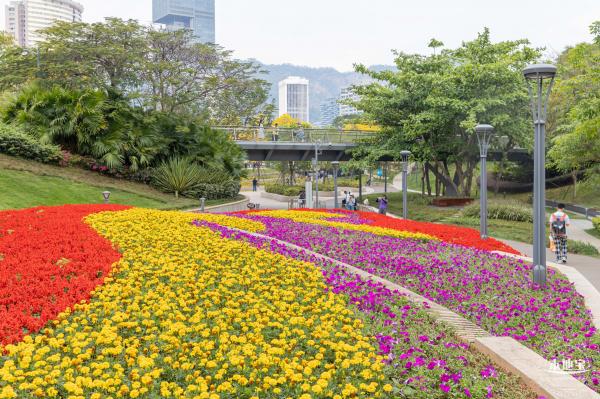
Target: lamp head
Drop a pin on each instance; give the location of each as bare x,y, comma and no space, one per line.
405,154
485,129
335,164
539,71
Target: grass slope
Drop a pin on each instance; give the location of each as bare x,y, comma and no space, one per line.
25,190
25,184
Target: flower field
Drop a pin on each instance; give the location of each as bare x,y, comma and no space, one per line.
493,291
110,302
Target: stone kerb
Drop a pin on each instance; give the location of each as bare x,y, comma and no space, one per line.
506,352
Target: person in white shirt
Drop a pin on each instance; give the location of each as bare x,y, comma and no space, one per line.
559,221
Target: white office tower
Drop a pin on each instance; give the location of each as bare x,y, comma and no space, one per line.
347,110
293,98
25,18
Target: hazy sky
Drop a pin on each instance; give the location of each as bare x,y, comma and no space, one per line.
339,33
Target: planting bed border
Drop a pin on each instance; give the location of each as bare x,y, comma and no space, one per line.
509,354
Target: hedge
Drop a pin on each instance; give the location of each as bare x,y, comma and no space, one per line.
510,212
15,142
596,223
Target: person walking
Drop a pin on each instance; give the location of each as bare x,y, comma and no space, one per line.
302,199
559,221
300,133
351,203
345,199
383,204
254,184
275,132
261,131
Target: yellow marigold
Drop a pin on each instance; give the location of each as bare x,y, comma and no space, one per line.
318,218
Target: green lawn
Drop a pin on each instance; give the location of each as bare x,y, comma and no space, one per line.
26,183
25,190
593,232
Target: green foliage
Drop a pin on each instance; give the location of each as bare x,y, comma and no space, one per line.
502,211
575,107
431,105
177,175
14,141
215,184
290,191
596,223
582,248
184,176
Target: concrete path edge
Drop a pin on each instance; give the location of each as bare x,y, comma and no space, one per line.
506,352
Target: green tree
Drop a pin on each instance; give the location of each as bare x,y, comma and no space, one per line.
575,107
431,105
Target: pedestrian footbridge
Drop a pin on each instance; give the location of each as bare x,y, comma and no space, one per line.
285,144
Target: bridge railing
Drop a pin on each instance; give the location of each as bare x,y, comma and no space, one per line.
295,135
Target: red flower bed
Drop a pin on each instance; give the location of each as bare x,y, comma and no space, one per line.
448,233
49,261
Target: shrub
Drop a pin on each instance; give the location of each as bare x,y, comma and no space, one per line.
215,184
182,176
510,212
14,141
177,175
596,223
582,248
290,191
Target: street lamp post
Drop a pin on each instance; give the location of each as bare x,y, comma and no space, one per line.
405,154
336,166
536,75
316,166
485,133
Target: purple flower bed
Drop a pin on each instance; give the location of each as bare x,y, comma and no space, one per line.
424,358
492,291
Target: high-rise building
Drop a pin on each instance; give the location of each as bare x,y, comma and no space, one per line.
293,98
25,18
195,15
330,109
345,109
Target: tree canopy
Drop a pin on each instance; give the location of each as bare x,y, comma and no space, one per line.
431,104
575,107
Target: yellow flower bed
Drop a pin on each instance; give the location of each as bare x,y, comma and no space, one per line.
300,216
318,219
187,314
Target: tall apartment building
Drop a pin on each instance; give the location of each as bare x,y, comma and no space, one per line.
346,110
25,18
330,109
293,98
195,15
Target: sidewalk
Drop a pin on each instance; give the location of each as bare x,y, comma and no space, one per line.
588,266
397,183
577,232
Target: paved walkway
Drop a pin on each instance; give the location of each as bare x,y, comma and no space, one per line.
577,232
397,183
588,266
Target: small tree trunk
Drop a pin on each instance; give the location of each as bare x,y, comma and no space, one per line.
427,179
574,185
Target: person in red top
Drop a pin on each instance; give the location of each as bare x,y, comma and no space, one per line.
559,221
